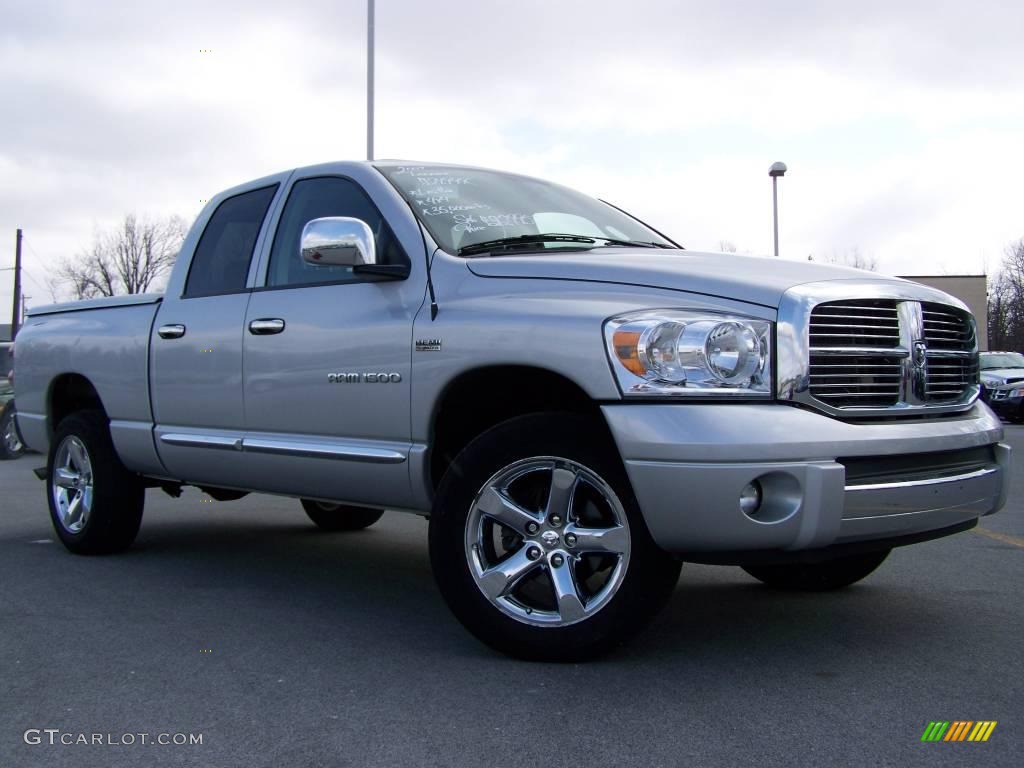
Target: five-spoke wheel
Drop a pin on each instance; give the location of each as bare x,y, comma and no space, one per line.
95,502
552,563
72,484
538,545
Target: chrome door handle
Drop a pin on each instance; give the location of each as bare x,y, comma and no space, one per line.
173,331
266,326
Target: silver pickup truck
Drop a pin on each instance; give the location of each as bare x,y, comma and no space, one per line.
578,403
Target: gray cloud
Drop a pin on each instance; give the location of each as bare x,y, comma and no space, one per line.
115,109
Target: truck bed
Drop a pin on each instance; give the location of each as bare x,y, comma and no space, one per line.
107,342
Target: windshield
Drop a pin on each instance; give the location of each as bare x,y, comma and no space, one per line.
990,360
462,207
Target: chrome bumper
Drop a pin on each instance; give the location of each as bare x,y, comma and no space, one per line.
689,463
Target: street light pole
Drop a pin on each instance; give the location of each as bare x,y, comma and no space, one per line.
777,170
16,313
369,79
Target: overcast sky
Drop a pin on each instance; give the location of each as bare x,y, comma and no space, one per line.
901,121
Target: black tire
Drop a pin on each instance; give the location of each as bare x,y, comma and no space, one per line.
643,580
340,517
11,444
819,577
114,510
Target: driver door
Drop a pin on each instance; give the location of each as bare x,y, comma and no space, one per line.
309,431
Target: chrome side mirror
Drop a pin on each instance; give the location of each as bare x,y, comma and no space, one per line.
338,241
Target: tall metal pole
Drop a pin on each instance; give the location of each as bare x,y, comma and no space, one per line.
775,211
777,169
369,79
16,313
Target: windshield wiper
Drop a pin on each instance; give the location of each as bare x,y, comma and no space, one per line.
506,242
633,243
548,237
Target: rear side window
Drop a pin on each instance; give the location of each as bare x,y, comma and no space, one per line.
221,260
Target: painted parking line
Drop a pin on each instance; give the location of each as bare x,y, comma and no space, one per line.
1015,541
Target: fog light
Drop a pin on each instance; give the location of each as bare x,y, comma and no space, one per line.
750,498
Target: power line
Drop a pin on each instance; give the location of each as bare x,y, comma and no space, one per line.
25,271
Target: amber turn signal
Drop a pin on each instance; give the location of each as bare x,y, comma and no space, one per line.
626,345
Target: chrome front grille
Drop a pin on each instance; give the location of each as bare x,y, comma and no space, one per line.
850,380
878,355
840,373
949,377
855,324
952,358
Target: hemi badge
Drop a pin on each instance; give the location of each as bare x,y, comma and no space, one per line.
428,345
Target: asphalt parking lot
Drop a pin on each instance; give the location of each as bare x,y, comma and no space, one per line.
285,646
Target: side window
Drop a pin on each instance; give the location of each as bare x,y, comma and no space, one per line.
221,260
313,199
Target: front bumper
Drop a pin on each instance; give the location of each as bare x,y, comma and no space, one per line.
689,463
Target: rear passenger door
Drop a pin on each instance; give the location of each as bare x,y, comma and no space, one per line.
196,347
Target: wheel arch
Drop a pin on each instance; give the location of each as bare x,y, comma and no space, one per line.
481,398
68,393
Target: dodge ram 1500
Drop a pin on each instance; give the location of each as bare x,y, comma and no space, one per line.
576,402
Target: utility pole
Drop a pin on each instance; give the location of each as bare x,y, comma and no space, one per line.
16,300
777,170
369,79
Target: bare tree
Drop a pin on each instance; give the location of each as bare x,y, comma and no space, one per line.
727,246
1006,301
133,258
851,258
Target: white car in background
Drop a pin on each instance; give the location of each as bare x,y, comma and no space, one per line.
1002,381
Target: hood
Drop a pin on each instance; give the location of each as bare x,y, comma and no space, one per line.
751,279
1003,375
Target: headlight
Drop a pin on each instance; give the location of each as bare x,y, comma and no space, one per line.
675,352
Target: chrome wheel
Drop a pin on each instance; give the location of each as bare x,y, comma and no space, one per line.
547,541
12,442
72,484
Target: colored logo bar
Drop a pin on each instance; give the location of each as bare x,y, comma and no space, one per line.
959,730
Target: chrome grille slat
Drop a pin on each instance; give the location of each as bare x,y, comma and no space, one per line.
873,305
849,326
827,396
831,316
858,367
946,328
863,375
863,351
